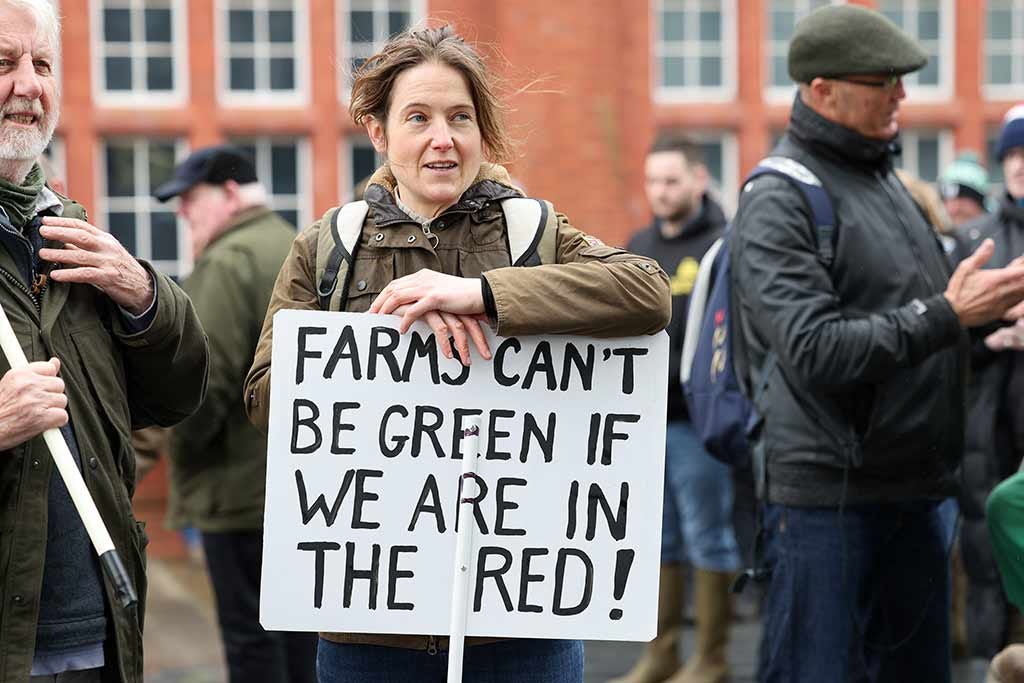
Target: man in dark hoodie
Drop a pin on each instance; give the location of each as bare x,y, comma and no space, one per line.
856,365
697,519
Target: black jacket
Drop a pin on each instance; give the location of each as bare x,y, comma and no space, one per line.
680,257
861,366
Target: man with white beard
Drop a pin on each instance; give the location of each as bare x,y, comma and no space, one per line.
99,329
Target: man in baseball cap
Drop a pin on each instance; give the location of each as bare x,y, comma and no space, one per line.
853,342
218,459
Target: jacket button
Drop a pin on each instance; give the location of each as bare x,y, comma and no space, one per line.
412,238
35,464
440,224
361,285
18,600
94,463
379,237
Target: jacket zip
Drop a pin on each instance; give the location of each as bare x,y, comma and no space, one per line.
431,645
18,283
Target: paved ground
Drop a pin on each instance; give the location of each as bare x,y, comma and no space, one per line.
182,644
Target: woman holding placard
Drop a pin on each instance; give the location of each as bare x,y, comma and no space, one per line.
435,241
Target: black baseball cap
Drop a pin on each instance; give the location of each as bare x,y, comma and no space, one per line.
214,165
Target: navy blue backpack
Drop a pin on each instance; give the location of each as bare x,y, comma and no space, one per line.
722,415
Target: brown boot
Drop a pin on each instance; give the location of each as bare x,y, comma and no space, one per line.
709,663
660,658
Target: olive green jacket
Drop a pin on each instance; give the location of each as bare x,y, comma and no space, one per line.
218,458
115,381
592,289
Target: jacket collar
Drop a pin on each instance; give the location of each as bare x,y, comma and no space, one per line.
709,217
492,183
242,218
1009,210
831,139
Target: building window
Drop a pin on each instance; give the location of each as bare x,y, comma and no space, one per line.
783,16
360,160
263,57
281,167
367,24
926,153
931,23
718,151
55,165
132,169
1004,45
695,49
994,166
140,50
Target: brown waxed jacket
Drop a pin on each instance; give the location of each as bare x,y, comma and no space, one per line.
593,289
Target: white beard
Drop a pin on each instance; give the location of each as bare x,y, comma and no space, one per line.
18,143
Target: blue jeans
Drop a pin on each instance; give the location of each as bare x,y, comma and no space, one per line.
508,661
697,516
854,598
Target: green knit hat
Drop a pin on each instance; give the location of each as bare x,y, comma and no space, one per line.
965,177
849,40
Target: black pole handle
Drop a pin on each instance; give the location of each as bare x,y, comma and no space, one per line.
124,591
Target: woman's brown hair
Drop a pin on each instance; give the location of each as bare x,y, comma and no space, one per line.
371,88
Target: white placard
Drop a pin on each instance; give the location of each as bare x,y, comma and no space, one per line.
363,474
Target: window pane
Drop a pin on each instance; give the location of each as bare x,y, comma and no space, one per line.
158,25
120,171
1000,69
164,236
928,25
361,27
118,71
782,25
117,25
282,73
161,164
292,217
241,27
159,73
928,159
243,73
284,169
780,71
710,71
397,22
364,163
280,22
673,71
712,153
1000,24
122,226
710,26
929,75
995,169
672,25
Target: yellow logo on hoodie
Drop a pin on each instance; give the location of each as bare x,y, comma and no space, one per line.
685,276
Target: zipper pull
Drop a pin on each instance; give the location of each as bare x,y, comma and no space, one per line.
39,281
434,239
431,645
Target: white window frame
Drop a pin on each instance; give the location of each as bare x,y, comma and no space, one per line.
265,98
138,51
947,54
910,139
777,94
58,157
141,203
684,94
302,203
417,10
1015,89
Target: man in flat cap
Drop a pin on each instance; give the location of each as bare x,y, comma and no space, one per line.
218,459
852,342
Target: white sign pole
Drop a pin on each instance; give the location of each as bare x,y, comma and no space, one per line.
80,496
463,553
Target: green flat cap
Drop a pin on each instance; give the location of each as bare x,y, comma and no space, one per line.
849,40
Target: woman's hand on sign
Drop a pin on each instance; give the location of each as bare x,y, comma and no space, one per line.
428,290
95,257
454,332
32,400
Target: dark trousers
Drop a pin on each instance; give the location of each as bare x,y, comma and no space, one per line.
857,597
253,655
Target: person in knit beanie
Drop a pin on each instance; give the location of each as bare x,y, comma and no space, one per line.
964,187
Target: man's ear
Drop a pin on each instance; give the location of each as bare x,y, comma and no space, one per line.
378,136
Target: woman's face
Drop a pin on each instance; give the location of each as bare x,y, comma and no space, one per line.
431,139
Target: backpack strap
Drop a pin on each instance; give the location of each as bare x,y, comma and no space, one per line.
531,226
335,251
698,304
813,192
